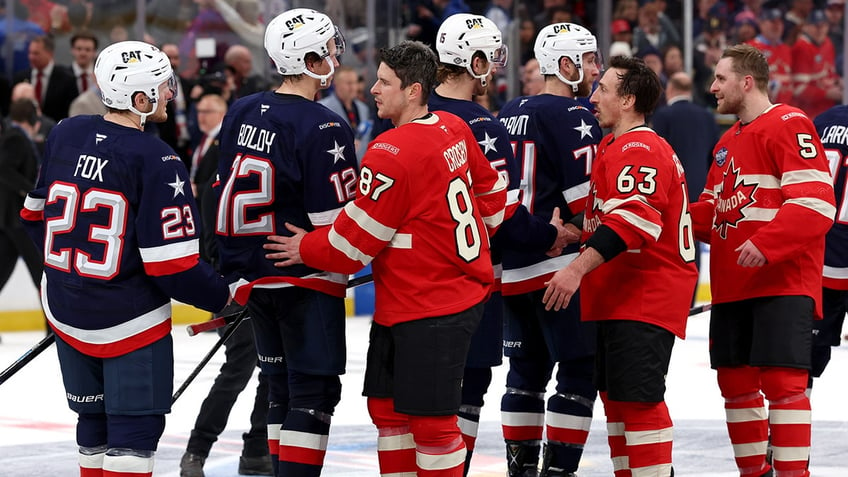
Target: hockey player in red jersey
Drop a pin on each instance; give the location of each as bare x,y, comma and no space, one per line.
636,234
426,204
765,210
117,223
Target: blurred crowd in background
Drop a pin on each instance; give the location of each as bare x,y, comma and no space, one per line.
48,48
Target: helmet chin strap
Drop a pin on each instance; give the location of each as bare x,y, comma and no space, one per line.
324,78
574,84
141,115
483,78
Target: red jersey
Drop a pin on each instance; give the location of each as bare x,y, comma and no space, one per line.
813,73
779,57
638,189
427,202
769,183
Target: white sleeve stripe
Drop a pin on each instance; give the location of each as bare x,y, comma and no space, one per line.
612,204
817,205
646,226
401,241
835,272
512,196
327,217
342,245
763,181
368,223
499,186
577,192
170,251
31,203
806,175
494,220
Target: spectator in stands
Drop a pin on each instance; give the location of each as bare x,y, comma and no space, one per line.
427,15
26,91
500,12
343,101
777,53
243,18
240,62
621,31
709,46
651,31
672,59
627,10
23,31
794,19
168,20
835,12
55,85
84,50
532,81
526,39
88,102
745,28
817,86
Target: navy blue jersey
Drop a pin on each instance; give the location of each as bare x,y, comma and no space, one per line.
118,226
832,126
283,159
554,139
493,140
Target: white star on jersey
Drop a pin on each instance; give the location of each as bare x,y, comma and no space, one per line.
585,129
177,185
337,152
488,144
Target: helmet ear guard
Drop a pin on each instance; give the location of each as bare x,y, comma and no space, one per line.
564,39
129,67
462,35
293,34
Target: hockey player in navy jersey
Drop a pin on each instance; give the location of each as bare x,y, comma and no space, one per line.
832,126
554,138
285,158
470,48
114,215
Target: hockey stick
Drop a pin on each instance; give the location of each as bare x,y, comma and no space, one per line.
239,317
700,309
216,323
27,357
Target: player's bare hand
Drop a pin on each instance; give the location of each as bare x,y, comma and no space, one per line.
566,234
285,250
561,287
750,255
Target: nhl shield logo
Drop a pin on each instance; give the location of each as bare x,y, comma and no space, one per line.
721,156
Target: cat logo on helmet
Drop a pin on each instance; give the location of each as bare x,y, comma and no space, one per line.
474,23
131,56
295,22
562,27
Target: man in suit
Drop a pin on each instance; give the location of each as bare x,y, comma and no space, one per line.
18,171
204,159
84,50
45,124
343,101
691,130
55,85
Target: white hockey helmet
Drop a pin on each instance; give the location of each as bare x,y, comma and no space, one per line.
564,39
294,33
127,67
462,35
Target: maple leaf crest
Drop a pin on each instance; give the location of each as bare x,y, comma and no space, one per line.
733,198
